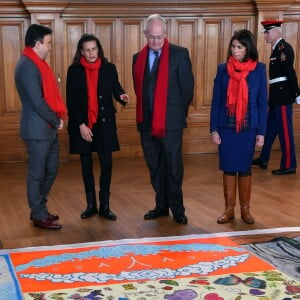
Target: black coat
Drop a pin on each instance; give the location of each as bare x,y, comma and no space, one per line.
104,131
282,64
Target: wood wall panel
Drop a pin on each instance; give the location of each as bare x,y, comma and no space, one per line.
214,37
204,27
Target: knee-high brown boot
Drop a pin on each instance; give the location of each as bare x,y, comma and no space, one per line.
245,183
229,186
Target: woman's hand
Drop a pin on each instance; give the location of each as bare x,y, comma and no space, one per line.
125,98
215,137
260,139
86,133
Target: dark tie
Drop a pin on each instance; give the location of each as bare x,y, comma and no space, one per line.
155,62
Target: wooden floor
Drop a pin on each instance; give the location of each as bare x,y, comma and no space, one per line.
275,203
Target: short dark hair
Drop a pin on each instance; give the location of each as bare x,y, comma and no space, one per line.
87,38
36,32
247,39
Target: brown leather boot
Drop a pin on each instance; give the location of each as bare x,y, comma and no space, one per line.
245,183
229,185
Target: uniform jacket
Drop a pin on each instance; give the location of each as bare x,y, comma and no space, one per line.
77,103
257,102
38,120
281,64
180,89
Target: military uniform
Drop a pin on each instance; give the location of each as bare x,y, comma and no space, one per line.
283,90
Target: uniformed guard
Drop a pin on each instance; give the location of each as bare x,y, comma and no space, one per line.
283,92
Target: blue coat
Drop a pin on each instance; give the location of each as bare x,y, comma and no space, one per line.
258,102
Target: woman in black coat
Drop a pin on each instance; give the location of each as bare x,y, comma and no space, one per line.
91,83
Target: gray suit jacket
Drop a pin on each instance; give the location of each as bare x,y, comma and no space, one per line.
38,121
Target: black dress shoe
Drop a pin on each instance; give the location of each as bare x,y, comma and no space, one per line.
260,163
52,217
284,171
46,224
155,213
180,219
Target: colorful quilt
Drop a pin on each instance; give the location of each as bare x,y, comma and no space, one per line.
187,267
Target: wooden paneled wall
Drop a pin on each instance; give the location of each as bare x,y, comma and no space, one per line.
204,27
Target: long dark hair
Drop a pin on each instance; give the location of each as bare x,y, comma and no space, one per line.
87,38
247,39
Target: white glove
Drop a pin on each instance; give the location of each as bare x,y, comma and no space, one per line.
297,100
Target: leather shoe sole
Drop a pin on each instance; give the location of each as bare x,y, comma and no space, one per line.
51,217
155,213
46,224
180,219
260,163
284,171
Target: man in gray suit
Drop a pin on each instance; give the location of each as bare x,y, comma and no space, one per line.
164,85
42,114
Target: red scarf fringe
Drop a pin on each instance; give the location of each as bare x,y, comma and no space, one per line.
237,92
92,72
161,89
51,91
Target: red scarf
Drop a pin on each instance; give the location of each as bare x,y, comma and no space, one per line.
51,92
160,92
237,92
92,71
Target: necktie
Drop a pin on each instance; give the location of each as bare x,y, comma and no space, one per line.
155,62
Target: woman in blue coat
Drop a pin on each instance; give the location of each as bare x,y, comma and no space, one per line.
91,83
238,119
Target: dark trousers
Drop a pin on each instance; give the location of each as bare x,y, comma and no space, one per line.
43,161
164,160
280,122
105,160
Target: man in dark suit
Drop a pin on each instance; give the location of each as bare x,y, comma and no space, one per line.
164,86
282,94
42,114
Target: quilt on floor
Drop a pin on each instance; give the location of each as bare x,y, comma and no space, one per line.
212,268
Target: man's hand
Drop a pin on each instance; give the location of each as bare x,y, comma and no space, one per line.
61,124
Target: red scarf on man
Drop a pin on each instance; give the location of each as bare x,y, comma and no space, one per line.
237,92
50,88
92,71
160,92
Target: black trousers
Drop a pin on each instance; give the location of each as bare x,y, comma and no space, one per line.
164,160
105,160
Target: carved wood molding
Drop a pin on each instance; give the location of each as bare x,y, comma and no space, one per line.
273,5
166,7
40,6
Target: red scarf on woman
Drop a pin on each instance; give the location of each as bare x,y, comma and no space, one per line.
237,92
92,71
160,92
50,89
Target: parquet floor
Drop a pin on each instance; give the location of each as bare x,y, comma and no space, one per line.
275,203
